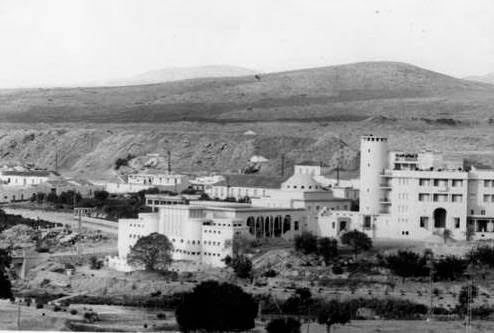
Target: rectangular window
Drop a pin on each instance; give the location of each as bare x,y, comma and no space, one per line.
424,197
482,212
367,222
457,183
457,222
457,198
487,183
487,197
424,221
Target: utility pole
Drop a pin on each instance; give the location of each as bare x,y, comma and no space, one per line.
169,161
19,314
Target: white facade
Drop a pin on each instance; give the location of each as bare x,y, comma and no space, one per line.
202,231
173,182
26,178
405,196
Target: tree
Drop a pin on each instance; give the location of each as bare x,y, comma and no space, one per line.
283,325
242,265
327,248
449,268
358,241
152,251
216,307
407,264
5,284
101,195
52,197
483,255
334,313
306,243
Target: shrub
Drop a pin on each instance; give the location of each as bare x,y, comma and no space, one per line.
161,315
283,325
357,240
73,312
407,264
306,243
270,273
482,255
95,263
449,268
39,305
91,316
57,308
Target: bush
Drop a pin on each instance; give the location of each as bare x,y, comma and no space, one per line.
283,325
306,243
449,268
91,316
161,315
39,305
95,263
407,264
57,308
73,312
483,255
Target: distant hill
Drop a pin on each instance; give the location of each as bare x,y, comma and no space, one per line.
488,78
346,92
181,73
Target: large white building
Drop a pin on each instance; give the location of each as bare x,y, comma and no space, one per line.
415,196
202,231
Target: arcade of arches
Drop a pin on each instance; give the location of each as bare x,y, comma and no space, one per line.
271,226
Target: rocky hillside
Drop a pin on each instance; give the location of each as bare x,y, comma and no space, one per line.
92,152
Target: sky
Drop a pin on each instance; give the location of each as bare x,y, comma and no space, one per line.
66,42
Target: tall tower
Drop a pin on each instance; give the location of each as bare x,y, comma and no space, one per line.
373,160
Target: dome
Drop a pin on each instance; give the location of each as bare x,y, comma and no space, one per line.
301,182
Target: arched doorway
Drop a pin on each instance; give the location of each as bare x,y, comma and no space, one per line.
278,226
259,227
440,218
251,223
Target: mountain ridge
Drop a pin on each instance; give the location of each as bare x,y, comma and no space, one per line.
343,92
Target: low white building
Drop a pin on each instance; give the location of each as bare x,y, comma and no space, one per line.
26,177
202,231
160,179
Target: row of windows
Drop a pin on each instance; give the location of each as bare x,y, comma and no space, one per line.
440,182
424,222
303,187
488,198
133,236
440,197
136,225
472,212
207,231
192,253
198,242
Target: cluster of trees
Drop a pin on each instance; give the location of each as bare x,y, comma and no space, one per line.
410,264
327,248
120,162
66,198
8,220
324,247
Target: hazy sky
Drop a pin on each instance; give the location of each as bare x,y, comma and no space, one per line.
53,42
